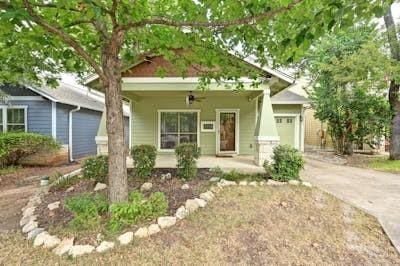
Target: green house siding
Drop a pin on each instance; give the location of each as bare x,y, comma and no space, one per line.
145,119
286,108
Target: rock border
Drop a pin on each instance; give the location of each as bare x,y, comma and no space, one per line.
60,247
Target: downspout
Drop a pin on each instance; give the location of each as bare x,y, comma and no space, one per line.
71,159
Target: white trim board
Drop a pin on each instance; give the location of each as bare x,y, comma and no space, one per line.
159,111
296,127
24,98
217,131
169,80
54,120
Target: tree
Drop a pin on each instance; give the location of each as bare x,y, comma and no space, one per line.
349,71
102,36
394,88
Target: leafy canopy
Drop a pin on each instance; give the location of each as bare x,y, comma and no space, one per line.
350,72
31,46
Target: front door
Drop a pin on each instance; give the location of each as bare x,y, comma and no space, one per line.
227,133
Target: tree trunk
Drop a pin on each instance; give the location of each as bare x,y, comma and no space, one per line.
111,63
394,93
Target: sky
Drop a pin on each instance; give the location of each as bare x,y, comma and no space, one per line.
71,79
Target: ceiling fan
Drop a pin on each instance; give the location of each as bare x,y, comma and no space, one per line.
190,98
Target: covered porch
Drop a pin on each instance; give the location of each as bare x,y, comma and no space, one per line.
240,163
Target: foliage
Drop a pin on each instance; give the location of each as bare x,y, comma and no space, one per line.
87,210
137,209
237,176
15,146
59,182
9,170
349,71
144,159
96,168
287,163
187,154
217,172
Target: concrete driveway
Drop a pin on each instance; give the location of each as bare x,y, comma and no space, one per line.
378,193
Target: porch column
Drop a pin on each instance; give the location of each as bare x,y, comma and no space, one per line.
101,138
266,135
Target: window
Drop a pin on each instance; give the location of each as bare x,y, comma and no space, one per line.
289,120
13,119
178,127
278,120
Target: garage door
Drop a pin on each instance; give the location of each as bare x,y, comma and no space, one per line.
285,126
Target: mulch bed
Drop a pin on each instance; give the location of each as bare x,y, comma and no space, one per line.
175,195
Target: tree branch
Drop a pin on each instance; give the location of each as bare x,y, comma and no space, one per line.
223,24
66,38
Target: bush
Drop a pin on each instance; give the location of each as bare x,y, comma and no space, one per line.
15,146
187,154
144,159
236,176
287,163
87,210
96,168
137,209
59,182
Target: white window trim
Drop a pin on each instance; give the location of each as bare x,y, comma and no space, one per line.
159,111
237,130
296,127
6,107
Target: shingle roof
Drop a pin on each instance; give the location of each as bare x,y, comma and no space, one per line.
66,94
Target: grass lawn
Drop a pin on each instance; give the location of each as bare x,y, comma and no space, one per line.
247,226
383,164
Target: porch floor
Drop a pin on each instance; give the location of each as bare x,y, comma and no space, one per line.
242,163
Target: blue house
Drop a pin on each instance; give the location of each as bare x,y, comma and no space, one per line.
70,115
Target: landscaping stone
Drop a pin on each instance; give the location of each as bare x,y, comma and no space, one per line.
191,205
167,221
225,183
275,183
207,196
28,211
262,183
307,184
142,232
104,246
126,238
166,176
243,183
146,186
185,186
53,206
254,184
154,229
70,189
294,182
40,238
181,213
214,179
29,226
215,189
32,234
64,246
100,186
79,250
51,241
202,203
27,219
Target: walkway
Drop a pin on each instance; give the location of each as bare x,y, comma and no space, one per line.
378,193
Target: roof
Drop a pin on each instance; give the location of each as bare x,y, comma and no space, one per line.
70,95
294,94
249,60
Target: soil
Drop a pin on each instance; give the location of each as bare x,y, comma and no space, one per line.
176,196
16,188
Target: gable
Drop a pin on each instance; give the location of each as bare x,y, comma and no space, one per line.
14,90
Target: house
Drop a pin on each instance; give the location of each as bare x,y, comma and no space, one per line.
69,114
222,122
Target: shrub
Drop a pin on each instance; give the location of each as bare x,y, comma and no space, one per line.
287,163
96,168
236,176
144,159
59,182
137,209
187,154
87,210
15,146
